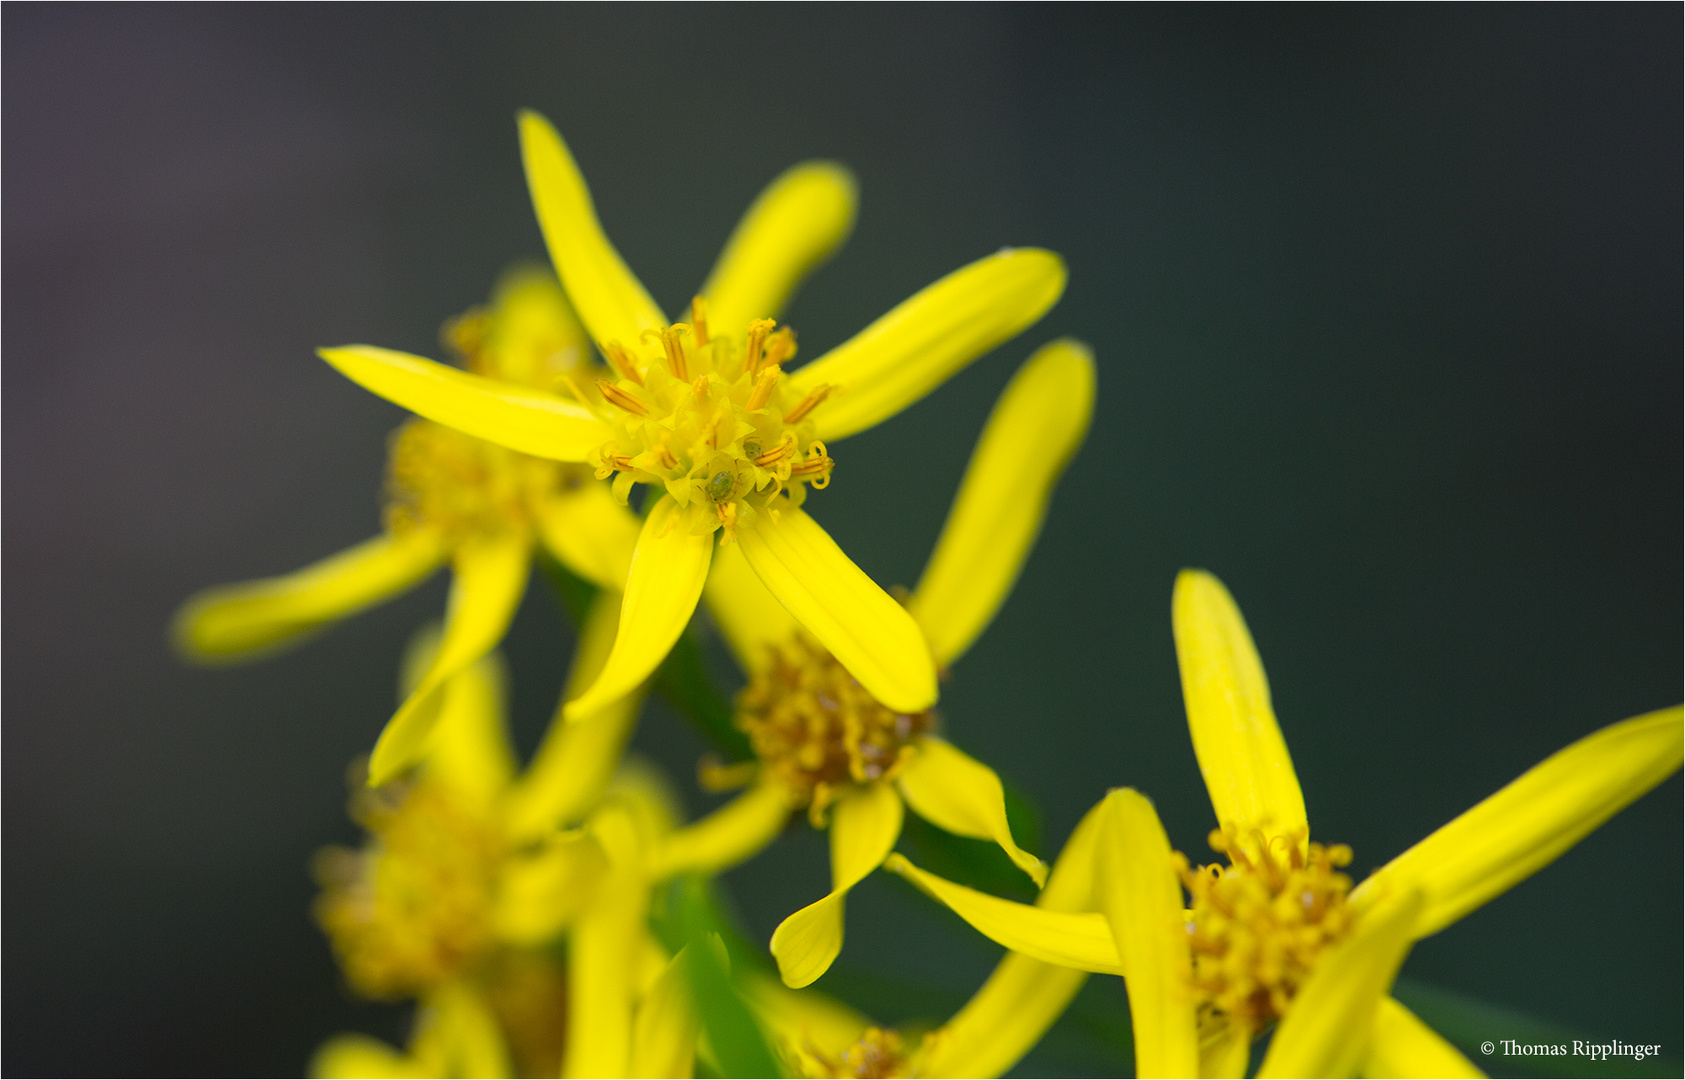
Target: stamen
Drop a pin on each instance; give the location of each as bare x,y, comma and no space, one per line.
617,396
762,392
622,362
809,403
699,321
758,330
784,449
672,342
780,346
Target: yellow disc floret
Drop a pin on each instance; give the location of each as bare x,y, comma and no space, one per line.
709,419
438,478
1259,925
879,1053
413,907
818,729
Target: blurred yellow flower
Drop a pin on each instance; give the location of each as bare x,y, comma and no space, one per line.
450,497
704,410
1278,936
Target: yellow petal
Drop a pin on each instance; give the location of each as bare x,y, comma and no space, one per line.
533,335
610,301
737,831
803,1019
749,616
470,749
664,1031
490,576
863,627
1225,1053
1070,939
669,566
1142,900
1327,1026
540,892
865,823
458,1034
1003,1020
1034,429
351,1057
795,224
1240,749
603,950
1527,824
232,622
1400,1045
960,794
923,341
505,413
591,533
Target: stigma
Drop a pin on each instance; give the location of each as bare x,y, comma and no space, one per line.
815,727
1258,925
708,418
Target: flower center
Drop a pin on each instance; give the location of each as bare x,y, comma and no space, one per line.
711,421
441,479
879,1053
1258,926
817,728
413,907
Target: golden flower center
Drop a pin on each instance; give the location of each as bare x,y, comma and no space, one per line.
413,907
879,1053
817,728
438,478
1259,925
710,420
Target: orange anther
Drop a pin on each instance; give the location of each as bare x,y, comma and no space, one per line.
621,360
672,341
699,321
762,393
758,330
617,396
809,403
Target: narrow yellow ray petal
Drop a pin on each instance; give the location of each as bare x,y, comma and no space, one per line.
540,892
737,831
1523,827
669,566
470,750
505,413
1142,900
863,627
664,1030
575,762
1241,752
749,616
591,534
865,823
928,337
950,789
609,299
235,622
463,1032
1225,1054
1003,1020
602,952
1034,429
1327,1026
490,574
1401,1046
1070,939
359,1057
794,225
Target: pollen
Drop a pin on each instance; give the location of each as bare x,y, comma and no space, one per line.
878,1053
707,416
1258,926
438,478
818,729
413,907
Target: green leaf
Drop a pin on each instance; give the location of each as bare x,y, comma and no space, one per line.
740,1047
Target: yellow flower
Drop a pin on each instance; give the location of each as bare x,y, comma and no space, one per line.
1278,936
705,412
824,741
449,497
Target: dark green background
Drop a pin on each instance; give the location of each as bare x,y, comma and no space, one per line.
1387,307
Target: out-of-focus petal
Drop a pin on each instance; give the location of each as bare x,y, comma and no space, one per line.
664,1030
540,892
1401,1046
737,831
952,790
591,534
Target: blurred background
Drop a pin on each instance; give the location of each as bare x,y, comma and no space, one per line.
1387,309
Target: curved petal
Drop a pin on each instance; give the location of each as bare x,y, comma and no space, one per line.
1142,900
470,749
1034,429
750,617
1327,1026
1080,940
664,1030
1225,1053
863,627
928,337
1400,1045
737,831
669,566
232,622
504,413
602,952
490,576
540,893
803,1020
457,1035
1003,1020
795,224
591,534
956,792
359,1057
1241,752
609,299
865,823
1529,822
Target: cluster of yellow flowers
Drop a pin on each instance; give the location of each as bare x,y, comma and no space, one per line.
537,914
